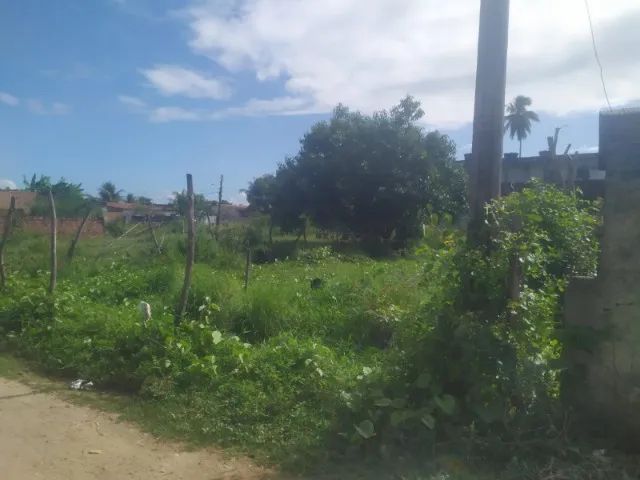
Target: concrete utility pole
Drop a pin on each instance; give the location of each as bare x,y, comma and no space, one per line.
488,120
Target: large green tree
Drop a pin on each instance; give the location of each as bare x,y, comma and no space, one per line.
261,192
518,119
371,175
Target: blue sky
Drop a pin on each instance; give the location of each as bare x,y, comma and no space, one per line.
142,91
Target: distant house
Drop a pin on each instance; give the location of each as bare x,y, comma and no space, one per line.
580,169
229,213
24,200
135,212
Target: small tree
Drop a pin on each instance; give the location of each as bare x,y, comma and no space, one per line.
109,193
518,119
261,197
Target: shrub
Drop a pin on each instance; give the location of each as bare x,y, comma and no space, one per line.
479,362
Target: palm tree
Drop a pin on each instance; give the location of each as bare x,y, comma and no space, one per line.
109,193
518,119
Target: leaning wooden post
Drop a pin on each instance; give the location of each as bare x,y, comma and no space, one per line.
247,268
76,238
54,241
5,236
153,235
191,251
219,206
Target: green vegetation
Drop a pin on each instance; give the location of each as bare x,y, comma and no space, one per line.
70,198
375,177
331,358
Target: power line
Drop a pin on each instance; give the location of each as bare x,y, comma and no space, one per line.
595,52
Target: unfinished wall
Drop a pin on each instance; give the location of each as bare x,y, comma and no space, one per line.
610,303
66,226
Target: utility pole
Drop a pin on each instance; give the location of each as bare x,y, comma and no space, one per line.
485,170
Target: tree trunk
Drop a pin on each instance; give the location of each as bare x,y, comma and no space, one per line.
54,244
488,121
5,236
76,238
270,231
247,268
219,206
520,154
191,250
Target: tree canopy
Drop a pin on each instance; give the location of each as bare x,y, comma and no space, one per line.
109,193
373,175
200,204
70,198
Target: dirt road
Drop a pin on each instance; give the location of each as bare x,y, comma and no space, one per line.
45,437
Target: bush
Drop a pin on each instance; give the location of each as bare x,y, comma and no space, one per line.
479,364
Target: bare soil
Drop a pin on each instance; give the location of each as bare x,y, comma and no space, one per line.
43,436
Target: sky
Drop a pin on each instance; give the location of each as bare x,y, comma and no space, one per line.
141,92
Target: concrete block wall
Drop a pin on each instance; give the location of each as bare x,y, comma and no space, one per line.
610,303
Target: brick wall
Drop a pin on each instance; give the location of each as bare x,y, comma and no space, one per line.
66,226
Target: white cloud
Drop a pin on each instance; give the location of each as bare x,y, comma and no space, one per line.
40,108
172,114
9,99
58,108
36,106
239,198
174,80
251,108
587,149
6,183
134,104
273,106
370,53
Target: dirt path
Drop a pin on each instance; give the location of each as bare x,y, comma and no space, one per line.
45,437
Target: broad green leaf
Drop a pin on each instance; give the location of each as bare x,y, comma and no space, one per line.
216,336
446,403
428,421
383,402
366,429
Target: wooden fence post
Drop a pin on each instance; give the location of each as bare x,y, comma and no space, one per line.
76,238
219,206
5,237
247,268
153,235
54,241
191,250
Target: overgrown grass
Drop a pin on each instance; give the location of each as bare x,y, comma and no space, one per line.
329,356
